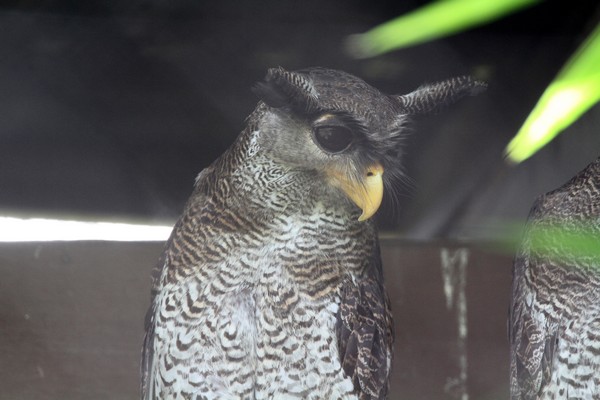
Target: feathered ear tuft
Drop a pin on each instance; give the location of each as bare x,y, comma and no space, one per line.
283,88
431,98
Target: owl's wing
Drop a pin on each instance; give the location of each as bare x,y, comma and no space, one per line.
181,230
148,346
532,345
365,333
532,342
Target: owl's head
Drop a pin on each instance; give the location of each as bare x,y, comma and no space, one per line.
337,125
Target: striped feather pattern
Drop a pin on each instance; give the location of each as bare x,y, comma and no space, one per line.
246,304
555,312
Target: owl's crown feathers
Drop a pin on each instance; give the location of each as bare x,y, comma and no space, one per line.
300,90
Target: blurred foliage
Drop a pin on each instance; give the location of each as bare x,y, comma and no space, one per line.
566,243
437,19
575,89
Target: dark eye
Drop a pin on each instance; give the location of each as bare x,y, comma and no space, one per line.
333,138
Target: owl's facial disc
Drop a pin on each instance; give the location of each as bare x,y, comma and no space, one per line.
366,193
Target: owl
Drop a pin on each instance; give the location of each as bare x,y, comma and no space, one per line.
554,325
271,285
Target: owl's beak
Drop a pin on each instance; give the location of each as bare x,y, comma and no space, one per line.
366,193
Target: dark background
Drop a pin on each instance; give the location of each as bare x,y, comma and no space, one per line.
111,108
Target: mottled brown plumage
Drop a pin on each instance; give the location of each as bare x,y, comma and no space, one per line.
270,287
554,325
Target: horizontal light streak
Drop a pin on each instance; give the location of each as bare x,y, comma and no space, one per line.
14,229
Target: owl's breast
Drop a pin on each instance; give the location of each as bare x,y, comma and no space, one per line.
263,319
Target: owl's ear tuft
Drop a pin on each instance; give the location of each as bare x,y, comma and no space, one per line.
431,98
282,88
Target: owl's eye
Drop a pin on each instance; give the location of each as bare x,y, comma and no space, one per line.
333,138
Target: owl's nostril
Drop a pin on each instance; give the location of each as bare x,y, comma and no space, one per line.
373,171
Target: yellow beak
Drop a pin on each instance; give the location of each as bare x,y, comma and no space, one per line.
366,193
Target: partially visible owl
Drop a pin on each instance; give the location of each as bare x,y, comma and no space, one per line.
554,325
271,285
